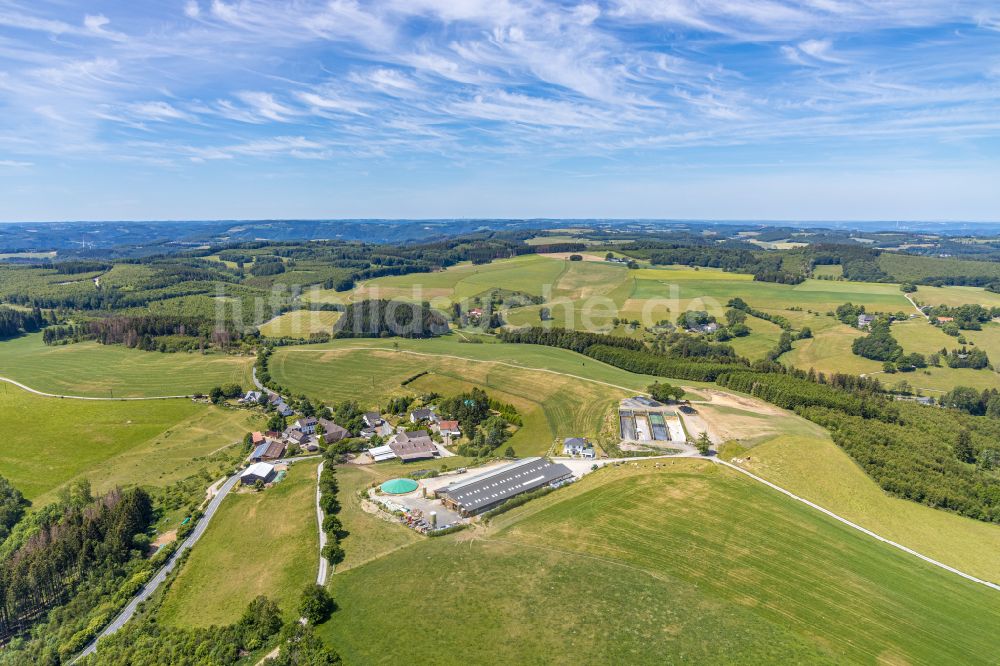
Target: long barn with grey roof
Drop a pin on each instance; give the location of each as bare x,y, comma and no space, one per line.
489,490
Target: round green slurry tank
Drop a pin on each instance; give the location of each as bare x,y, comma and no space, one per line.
399,486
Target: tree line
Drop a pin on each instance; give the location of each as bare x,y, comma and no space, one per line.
81,541
15,322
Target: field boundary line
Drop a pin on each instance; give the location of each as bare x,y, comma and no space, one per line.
855,526
86,397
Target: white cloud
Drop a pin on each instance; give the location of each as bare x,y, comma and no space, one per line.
192,9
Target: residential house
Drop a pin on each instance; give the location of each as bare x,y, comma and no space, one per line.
307,424
945,320
415,445
259,471
422,414
449,429
865,320
283,409
251,398
373,419
296,436
577,446
257,438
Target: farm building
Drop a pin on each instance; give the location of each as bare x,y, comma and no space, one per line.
258,438
332,432
380,453
489,490
577,446
271,450
413,446
259,471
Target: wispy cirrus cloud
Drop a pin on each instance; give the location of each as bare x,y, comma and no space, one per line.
492,80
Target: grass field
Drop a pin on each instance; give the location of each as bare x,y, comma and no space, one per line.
829,270
813,467
688,562
300,323
367,537
257,543
829,351
763,337
552,406
652,294
527,273
955,296
92,369
49,442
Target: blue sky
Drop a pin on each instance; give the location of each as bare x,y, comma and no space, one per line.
773,109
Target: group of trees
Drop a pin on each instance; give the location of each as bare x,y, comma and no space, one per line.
12,506
923,456
878,345
79,542
150,642
385,318
484,420
219,394
564,338
966,317
665,392
963,357
165,333
328,488
15,322
971,401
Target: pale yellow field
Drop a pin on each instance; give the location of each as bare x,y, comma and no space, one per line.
300,323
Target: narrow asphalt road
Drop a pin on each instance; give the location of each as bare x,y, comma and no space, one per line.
85,397
916,307
323,565
126,614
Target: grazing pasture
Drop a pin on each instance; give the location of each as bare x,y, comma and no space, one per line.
257,543
49,442
706,565
93,369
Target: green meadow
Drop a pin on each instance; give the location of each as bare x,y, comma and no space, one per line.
93,369
681,562
526,273
50,442
257,543
552,406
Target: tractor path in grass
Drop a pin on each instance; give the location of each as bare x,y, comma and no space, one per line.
86,397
